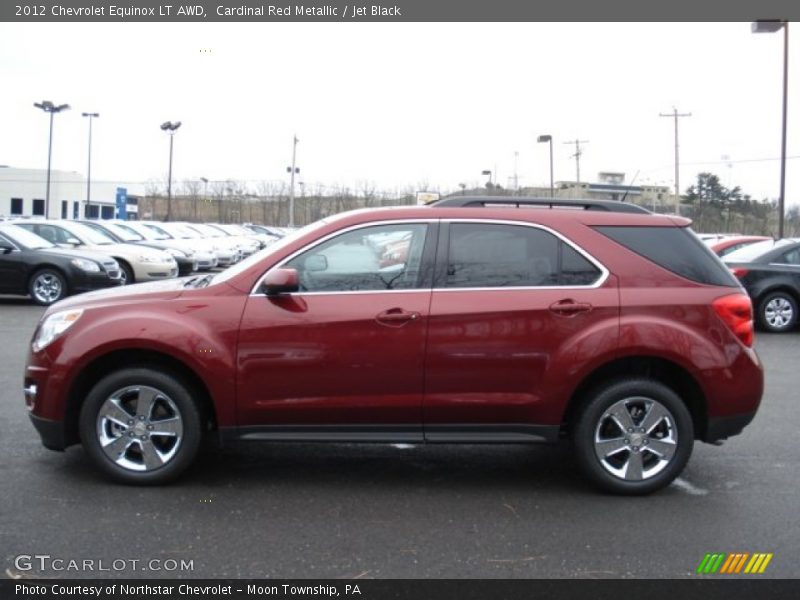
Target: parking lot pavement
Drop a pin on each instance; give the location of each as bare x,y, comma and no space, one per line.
343,510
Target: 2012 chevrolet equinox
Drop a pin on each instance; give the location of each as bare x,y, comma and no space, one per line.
466,321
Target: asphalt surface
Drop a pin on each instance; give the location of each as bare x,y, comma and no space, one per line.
342,511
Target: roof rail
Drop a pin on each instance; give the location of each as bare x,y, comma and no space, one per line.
519,202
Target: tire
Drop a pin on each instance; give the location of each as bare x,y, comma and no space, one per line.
639,453
777,312
126,273
47,286
141,426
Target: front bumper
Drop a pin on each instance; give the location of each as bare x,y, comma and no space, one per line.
51,432
83,281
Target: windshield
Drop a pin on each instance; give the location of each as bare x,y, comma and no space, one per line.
23,237
88,235
262,254
207,230
751,252
125,233
153,232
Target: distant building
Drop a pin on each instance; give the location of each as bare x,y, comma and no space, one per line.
611,186
23,193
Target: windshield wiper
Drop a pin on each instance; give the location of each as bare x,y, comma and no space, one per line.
199,282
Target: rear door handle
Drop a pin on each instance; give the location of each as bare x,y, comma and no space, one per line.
569,307
396,317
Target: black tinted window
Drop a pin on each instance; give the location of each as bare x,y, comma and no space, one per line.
484,255
791,258
676,249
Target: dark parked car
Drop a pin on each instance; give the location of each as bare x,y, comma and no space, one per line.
608,326
770,272
187,264
30,265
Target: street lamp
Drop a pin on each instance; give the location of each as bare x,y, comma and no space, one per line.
772,27
294,171
488,173
51,108
549,139
89,168
170,128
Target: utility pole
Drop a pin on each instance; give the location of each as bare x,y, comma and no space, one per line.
293,170
676,115
577,156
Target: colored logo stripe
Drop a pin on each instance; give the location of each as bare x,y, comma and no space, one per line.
723,563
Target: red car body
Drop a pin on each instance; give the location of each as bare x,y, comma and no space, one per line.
729,244
465,365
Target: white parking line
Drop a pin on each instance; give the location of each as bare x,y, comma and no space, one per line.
687,487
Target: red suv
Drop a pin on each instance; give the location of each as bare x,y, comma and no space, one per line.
524,321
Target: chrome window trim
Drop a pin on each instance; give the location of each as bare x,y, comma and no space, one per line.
604,272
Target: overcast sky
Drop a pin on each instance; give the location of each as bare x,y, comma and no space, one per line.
400,104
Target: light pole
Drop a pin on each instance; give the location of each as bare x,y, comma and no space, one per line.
293,170
205,195
772,27
51,108
89,167
489,174
549,139
170,128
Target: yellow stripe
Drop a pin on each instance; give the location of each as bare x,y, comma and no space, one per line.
728,562
751,563
765,563
758,563
741,562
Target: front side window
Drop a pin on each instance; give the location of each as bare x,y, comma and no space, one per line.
495,255
382,257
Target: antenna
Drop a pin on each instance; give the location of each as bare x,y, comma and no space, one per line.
625,195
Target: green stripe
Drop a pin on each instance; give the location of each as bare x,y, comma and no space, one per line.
703,563
718,564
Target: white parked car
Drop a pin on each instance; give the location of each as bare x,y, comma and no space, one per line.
136,262
206,257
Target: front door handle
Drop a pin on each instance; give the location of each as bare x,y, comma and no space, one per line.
569,307
396,317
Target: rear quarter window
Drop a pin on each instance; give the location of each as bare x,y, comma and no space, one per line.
676,249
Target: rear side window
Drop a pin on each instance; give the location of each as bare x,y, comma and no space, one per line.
676,249
488,255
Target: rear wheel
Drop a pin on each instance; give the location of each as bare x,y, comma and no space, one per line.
47,286
777,312
141,426
633,436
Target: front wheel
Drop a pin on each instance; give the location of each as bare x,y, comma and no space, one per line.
777,312
47,286
141,426
633,436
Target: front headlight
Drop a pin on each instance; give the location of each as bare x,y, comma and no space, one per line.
53,326
86,265
175,253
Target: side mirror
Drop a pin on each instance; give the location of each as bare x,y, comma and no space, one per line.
5,247
280,281
316,262
73,241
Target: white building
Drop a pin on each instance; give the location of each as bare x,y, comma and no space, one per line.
23,193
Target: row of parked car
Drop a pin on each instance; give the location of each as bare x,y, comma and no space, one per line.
50,259
769,270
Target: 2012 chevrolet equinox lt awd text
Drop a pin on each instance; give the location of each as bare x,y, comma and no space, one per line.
464,322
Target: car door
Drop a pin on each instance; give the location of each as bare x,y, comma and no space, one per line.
511,306
344,355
